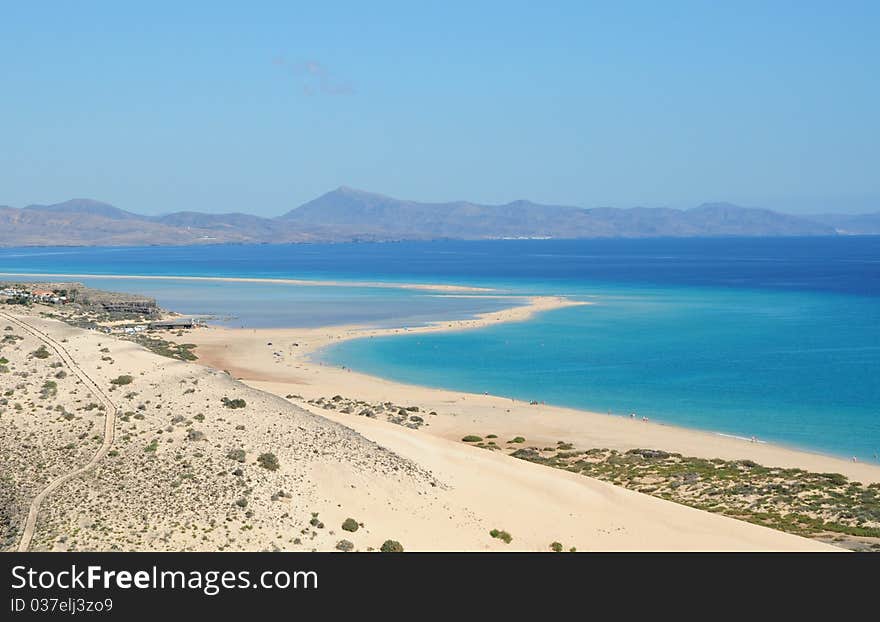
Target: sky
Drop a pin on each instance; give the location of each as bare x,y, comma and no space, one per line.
258,107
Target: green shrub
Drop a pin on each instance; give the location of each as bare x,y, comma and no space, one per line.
122,380
502,535
236,403
556,547
470,438
41,353
835,478
518,439
49,389
268,461
236,454
350,524
195,435
391,546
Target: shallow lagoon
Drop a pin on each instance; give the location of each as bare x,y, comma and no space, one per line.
774,338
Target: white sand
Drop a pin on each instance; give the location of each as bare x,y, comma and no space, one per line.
246,355
428,492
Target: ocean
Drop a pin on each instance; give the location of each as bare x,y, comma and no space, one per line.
774,338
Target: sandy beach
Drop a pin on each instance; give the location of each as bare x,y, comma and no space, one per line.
284,368
224,279
183,465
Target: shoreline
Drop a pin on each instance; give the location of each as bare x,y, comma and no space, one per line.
438,287
192,446
460,413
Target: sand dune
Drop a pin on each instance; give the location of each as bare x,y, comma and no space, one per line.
183,471
285,368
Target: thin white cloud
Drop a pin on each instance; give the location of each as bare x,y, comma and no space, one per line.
312,77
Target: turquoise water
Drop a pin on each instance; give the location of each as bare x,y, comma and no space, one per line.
798,369
779,339
274,305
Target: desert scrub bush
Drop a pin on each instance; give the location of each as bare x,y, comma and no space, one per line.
350,524
40,353
268,461
835,478
502,535
391,546
472,438
122,380
49,389
345,546
236,454
556,547
151,448
195,435
236,403
517,439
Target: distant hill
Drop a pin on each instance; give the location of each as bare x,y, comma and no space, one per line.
857,224
356,211
237,227
347,214
85,207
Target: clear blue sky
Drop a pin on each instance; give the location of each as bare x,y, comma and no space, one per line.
260,106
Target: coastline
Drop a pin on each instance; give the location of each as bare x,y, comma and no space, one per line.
398,457
284,369
438,287
191,458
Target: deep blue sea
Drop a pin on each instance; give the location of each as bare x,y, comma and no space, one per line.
777,338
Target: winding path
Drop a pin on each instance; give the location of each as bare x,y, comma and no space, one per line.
109,426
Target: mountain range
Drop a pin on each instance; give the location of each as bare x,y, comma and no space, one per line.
347,214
